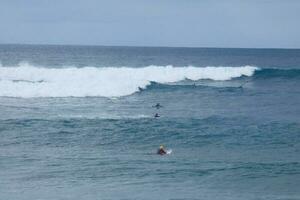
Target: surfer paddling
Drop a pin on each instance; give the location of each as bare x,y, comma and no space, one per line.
157,106
161,150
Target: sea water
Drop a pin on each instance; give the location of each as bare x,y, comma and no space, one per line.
77,122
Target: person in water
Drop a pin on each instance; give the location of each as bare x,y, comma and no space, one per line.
156,115
161,150
157,106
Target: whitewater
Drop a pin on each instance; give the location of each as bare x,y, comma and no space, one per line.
30,81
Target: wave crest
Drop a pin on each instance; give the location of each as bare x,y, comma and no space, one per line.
29,81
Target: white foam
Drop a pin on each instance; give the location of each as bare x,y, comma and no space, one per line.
29,81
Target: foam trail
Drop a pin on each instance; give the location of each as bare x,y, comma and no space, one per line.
29,81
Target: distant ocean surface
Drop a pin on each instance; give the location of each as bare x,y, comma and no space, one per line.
76,122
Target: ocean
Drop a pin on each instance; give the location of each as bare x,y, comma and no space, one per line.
77,122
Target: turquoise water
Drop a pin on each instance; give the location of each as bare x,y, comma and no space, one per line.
77,122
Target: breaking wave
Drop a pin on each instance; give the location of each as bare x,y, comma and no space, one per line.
28,81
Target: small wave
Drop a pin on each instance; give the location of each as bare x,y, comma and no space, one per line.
28,81
277,73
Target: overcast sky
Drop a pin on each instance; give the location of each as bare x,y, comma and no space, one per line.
189,23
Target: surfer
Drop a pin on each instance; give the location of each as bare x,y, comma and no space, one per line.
156,115
161,150
157,106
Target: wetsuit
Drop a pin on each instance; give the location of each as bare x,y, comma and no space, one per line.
161,152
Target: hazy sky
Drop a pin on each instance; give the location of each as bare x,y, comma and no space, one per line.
193,23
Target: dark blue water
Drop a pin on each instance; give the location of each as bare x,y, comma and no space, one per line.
76,122
58,55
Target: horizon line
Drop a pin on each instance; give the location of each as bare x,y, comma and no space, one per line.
150,46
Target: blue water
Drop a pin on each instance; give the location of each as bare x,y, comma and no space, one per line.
77,123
